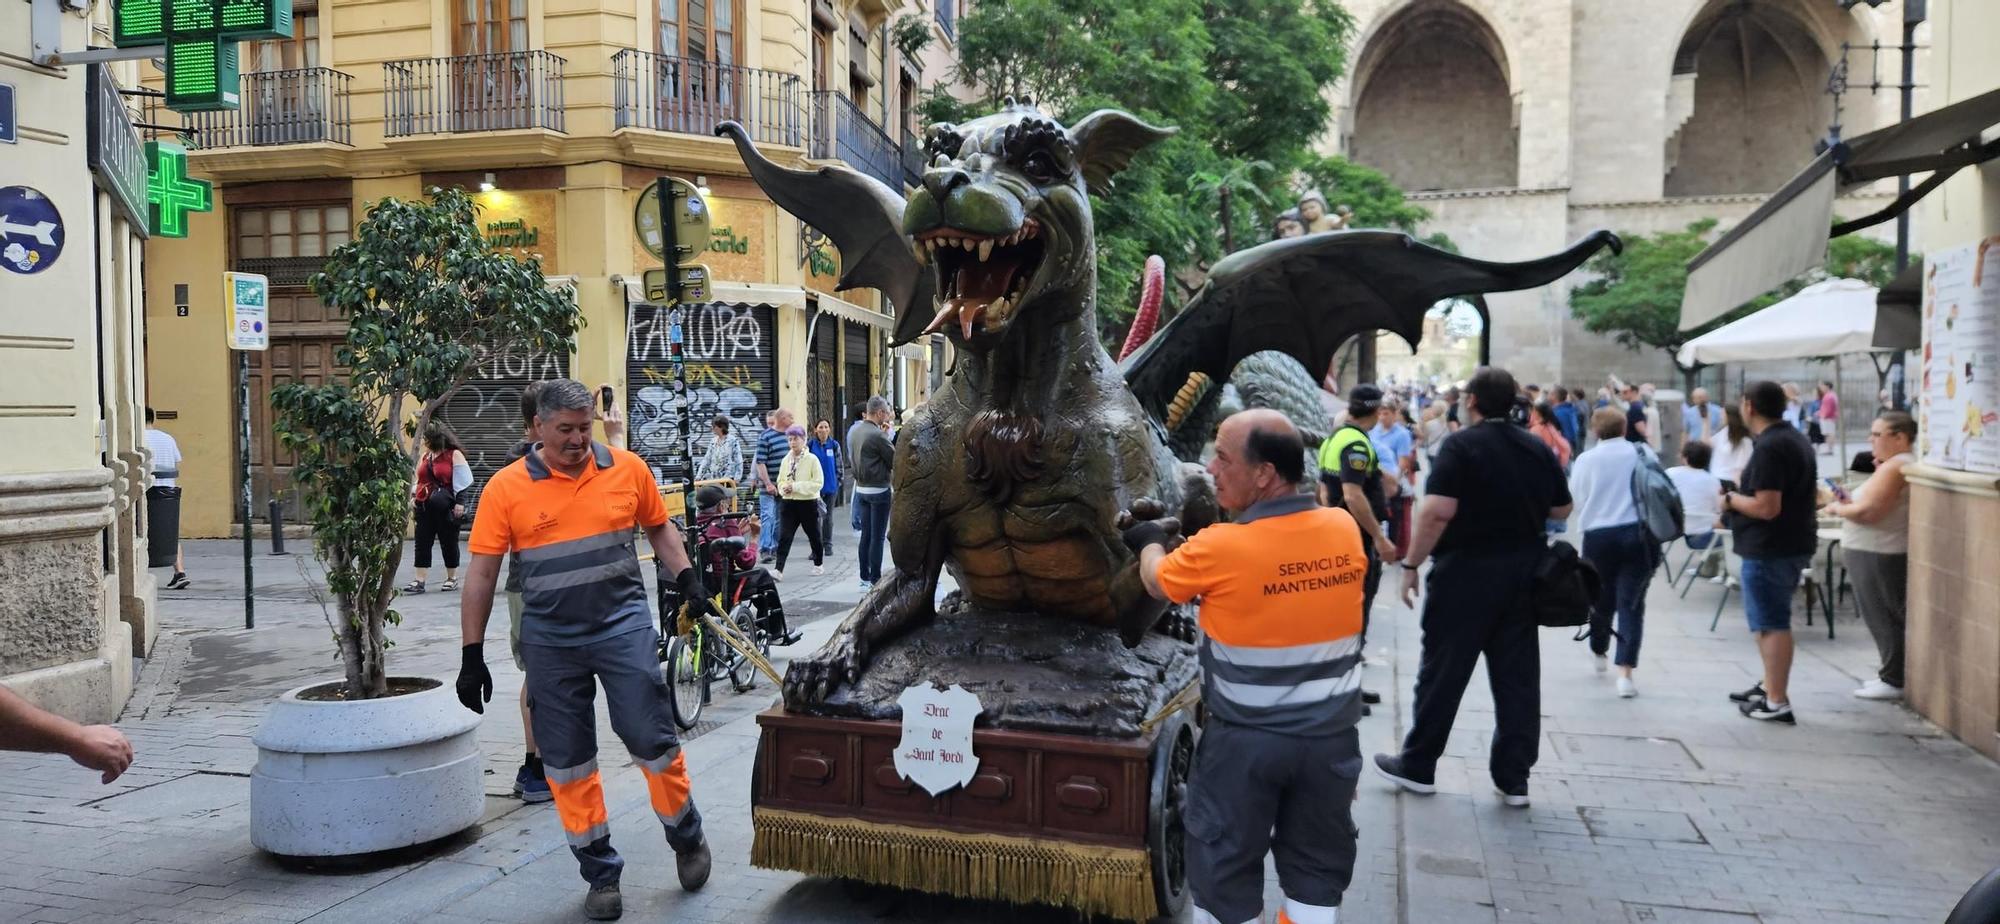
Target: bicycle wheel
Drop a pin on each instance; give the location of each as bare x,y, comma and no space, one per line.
742,673
684,682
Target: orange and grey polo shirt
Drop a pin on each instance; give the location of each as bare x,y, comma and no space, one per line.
579,571
1281,596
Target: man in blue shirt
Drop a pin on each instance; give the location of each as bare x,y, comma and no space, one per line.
1700,419
771,450
1565,417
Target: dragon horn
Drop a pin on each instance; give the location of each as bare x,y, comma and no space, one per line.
1152,287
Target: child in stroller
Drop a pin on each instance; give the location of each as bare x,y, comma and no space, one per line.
751,582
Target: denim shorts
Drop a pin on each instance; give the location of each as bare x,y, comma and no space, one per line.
1768,584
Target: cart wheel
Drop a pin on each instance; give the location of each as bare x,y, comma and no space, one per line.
742,673
1166,829
684,682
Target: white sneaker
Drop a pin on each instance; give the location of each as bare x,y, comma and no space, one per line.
819,570
1625,688
1601,664
1878,690
776,575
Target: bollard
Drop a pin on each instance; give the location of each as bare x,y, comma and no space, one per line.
277,527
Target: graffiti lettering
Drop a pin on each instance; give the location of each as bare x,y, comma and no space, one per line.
724,347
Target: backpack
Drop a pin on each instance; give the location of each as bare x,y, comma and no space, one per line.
1564,588
1659,502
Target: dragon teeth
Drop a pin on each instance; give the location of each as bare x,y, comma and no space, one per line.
967,244
985,250
922,253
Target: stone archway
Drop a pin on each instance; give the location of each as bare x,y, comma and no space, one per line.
1433,107
1747,100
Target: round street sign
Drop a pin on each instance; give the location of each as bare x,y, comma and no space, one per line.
31,230
689,214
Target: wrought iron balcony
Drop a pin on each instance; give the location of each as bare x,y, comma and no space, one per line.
913,159
841,131
689,96
299,106
473,93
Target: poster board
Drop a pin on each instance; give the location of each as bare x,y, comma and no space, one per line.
1959,420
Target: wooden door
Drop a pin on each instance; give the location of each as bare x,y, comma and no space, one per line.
492,86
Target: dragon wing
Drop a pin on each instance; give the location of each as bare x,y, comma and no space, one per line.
862,217
1305,296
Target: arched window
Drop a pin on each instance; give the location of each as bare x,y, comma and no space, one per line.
1747,101
1432,107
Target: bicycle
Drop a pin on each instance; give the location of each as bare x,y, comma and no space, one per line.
691,658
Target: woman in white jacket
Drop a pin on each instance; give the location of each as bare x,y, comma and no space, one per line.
799,480
1614,540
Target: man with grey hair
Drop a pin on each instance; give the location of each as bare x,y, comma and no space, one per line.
874,459
569,507
771,451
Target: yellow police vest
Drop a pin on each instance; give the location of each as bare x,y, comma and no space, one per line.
1348,434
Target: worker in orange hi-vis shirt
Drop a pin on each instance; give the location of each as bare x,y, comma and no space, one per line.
568,508
1281,589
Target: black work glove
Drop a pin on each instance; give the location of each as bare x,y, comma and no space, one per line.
1143,533
696,595
475,682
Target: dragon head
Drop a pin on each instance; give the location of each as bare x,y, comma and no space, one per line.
1003,217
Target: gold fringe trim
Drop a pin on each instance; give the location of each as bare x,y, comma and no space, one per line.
1115,881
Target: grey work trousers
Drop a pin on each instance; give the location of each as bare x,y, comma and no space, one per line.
1254,792
1881,586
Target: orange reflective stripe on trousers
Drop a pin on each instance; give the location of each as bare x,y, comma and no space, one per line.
579,793
667,784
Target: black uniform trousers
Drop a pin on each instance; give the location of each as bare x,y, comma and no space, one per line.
1476,603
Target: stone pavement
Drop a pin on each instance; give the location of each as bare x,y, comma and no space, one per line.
1666,808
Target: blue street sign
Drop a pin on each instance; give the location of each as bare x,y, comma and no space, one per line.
31,230
8,119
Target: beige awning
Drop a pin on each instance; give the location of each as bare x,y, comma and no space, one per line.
1787,235
842,308
729,292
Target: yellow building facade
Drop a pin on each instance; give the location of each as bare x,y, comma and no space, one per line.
76,599
561,113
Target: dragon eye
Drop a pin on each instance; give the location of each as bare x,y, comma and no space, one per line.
1040,166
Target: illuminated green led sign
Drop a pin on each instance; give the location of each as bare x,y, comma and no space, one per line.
170,195
201,37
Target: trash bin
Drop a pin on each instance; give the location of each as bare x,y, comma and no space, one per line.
163,525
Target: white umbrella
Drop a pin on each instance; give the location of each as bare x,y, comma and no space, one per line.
1826,319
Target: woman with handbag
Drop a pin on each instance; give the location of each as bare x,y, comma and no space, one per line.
443,475
799,479
1615,542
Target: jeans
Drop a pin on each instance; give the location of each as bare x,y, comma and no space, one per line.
826,519
767,514
1625,559
1476,603
874,512
1768,585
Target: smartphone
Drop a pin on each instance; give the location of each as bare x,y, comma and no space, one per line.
604,396
1838,491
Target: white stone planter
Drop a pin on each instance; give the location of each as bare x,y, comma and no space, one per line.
340,778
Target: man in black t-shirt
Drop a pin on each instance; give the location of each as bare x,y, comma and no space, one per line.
1492,489
1776,530
1635,414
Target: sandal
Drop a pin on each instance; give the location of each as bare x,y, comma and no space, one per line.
414,587
448,585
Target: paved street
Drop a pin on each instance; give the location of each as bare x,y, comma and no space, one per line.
1665,808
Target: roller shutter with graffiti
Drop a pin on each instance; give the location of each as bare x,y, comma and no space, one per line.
485,413
731,360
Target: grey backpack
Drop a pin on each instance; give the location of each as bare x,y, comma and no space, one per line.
1659,502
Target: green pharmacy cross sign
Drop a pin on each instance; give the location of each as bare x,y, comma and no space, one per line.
170,195
201,37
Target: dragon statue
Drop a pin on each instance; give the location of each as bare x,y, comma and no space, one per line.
1015,474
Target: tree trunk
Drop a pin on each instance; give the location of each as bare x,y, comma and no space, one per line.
1228,227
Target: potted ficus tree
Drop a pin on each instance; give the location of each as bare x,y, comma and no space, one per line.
371,761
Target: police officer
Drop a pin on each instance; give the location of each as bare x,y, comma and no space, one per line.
1281,595
569,507
1351,478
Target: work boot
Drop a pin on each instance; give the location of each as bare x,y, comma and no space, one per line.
603,903
693,865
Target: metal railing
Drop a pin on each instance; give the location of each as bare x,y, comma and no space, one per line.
688,95
913,159
947,17
841,131
298,106
473,93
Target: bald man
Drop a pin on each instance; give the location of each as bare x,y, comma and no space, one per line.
1281,596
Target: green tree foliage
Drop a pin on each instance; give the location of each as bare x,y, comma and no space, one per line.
1635,296
426,302
1242,81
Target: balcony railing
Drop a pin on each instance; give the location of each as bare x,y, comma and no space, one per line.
473,93
840,131
689,96
299,106
913,160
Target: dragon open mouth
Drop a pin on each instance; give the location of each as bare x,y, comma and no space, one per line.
982,278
